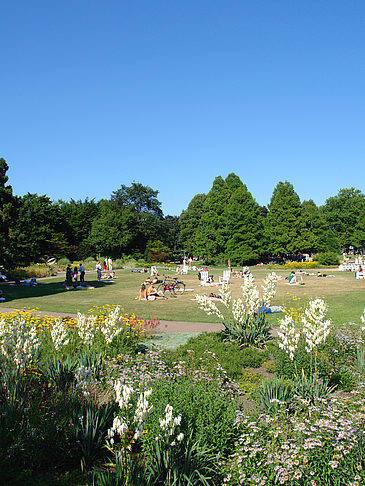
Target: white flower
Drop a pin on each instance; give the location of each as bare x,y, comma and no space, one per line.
269,288
19,343
122,394
288,336
315,327
169,423
250,295
59,334
112,325
86,328
240,308
208,306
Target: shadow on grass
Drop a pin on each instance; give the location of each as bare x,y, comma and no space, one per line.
12,292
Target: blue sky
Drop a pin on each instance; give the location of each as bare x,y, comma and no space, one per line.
172,94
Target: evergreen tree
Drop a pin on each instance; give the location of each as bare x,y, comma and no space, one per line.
211,234
188,223
245,227
283,224
314,235
7,213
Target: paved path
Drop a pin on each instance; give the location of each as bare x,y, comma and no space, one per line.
164,327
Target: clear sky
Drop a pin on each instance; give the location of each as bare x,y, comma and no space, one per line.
95,94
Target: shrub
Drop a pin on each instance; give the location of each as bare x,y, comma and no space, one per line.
287,368
328,258
230,356
254,331
37,270
204,409
294,265
63,261
89,259
275,394
249,383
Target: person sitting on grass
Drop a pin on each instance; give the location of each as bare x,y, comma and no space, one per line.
292,278
152,294
142,292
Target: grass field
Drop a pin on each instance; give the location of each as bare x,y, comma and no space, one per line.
344,295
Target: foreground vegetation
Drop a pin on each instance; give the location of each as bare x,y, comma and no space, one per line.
89,400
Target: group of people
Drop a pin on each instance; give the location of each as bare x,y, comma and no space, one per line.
148,290
73,274
107,265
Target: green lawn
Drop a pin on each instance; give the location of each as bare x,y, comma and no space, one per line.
344,295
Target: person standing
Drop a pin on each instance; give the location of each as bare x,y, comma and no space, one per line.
75,275
82,272
98,269
110,264
69,275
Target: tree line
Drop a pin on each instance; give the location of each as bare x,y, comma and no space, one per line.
225,223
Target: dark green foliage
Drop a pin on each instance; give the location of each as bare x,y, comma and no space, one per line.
231,357
327,258
314,235
244,227
112,230
310,387
284,224
189,222
156,251
211,233
77,219
127,471
38,229
186,464
90,424
139,198
61,371
286,368
345,215
276,394
7,215
254,331
204,409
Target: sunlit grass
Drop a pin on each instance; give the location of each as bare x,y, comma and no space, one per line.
344,295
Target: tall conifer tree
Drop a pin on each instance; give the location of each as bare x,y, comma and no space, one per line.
244,227
188,223
7,213
283,224
211,233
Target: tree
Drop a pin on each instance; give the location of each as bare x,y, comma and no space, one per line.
156,251
188,223
77,217
112,230
38,229
142,199
170,232
314,235
7,213
211,234
345,214
283,224
245,227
